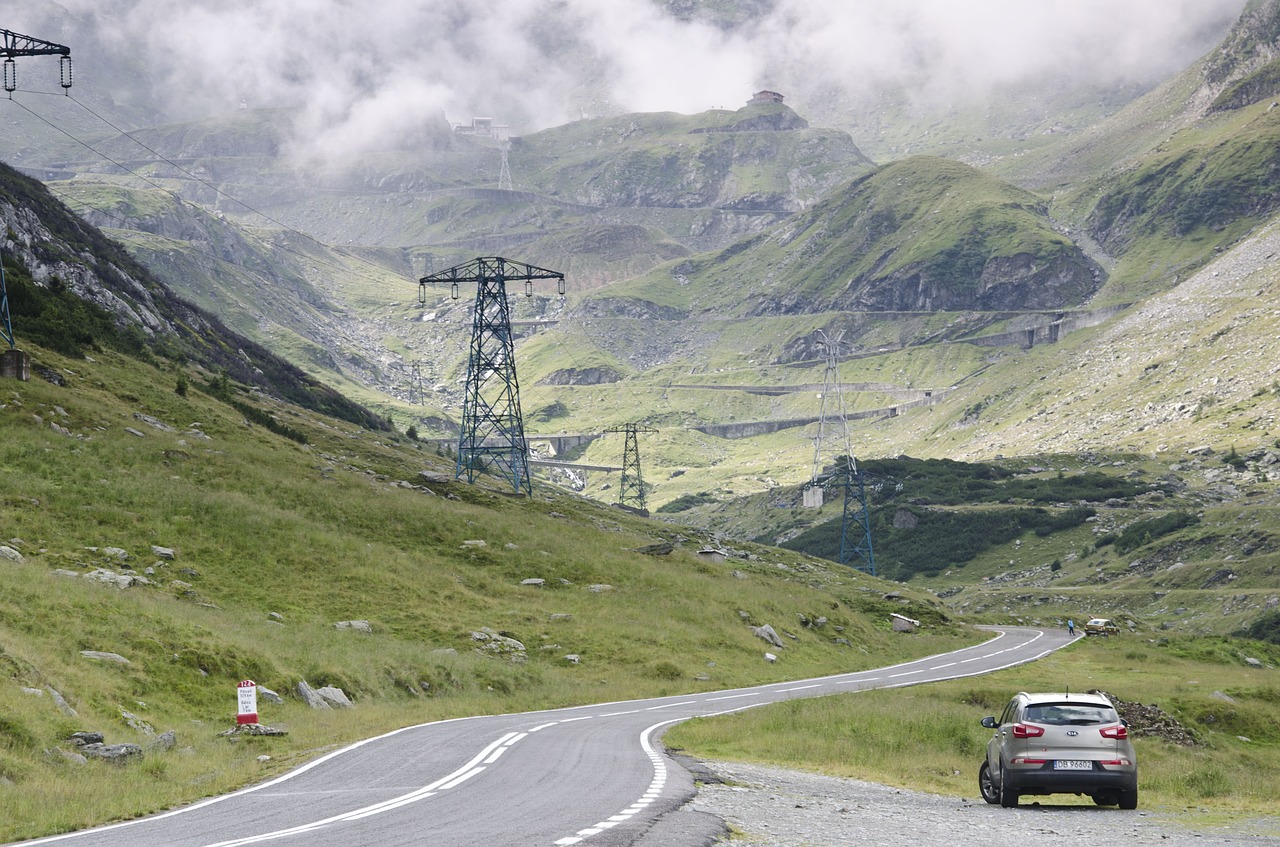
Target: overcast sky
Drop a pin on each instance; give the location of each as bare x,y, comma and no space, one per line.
364,70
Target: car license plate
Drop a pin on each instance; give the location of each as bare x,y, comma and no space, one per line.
1072,765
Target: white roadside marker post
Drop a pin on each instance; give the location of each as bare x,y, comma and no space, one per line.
247,692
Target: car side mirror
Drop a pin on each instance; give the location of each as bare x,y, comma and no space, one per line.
990,722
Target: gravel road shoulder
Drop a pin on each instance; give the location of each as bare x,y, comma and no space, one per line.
776,807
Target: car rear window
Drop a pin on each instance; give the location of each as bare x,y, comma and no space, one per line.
1070,714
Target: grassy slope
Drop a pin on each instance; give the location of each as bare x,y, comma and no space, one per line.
1200,191
928,738
939,219
321,533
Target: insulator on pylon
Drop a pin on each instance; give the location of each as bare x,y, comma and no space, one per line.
65,68
10,75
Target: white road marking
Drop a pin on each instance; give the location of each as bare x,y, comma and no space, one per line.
655,789
459,776
475,765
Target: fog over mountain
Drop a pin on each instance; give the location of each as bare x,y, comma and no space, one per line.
361,75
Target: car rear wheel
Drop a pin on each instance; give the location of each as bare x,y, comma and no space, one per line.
990,791
1008,798
1129,799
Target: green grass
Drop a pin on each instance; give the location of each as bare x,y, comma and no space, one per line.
330,530
928,738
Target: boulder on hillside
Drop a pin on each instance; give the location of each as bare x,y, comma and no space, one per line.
103,656
268,696
767,633
335,697
115,580
310,696
491,643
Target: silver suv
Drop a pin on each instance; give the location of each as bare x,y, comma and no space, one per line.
1059,744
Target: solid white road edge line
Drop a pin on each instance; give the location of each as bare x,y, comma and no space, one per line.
654,790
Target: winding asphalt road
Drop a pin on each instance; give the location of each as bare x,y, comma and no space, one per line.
591,775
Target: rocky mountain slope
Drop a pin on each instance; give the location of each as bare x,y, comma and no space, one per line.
48,249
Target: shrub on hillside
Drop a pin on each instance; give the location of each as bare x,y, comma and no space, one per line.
1265,628
1144,532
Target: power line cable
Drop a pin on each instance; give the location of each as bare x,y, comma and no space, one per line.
283,226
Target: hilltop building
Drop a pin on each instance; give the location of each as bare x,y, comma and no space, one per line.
483,128
760,98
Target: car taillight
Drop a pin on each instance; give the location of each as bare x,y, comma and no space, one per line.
1120,731
1026,730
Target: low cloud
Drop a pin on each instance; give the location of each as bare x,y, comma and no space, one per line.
360,76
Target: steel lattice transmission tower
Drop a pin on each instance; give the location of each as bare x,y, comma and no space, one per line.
632,485
855,523
492,437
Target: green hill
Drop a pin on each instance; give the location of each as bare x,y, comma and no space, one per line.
918,235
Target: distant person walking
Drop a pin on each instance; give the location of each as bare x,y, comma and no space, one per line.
1071,627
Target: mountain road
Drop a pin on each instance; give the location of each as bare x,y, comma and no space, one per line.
592,775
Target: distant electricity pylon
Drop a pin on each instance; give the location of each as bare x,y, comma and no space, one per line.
632,485
855,522
492,436
416,395
14,362
504,174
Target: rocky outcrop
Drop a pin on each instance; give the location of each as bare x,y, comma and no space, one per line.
491,643
581,376
773,117
1252,45
91,745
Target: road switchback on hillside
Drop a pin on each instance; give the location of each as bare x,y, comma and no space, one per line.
591,775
